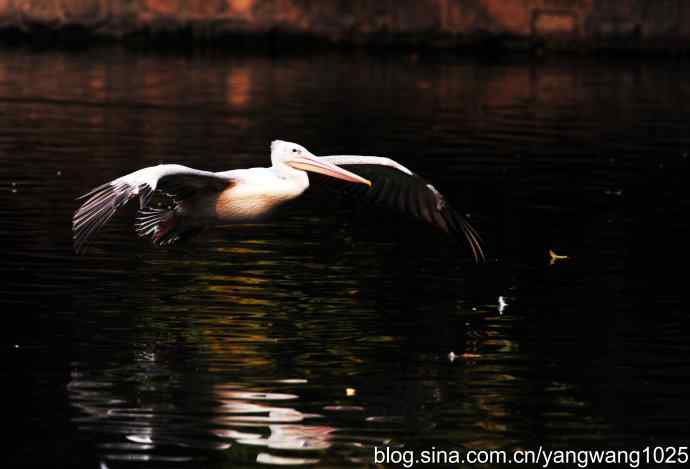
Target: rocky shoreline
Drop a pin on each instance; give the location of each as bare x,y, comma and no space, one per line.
636,26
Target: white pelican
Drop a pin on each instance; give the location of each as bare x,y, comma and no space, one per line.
202,198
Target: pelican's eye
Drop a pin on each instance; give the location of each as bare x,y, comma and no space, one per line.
295,150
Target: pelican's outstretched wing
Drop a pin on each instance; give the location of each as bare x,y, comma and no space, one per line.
397,187
103,201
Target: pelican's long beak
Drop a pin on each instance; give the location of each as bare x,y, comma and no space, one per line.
316,165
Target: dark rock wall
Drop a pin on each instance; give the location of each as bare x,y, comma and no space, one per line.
630,24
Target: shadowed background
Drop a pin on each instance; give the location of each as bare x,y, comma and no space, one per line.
659,26
320,335
323,334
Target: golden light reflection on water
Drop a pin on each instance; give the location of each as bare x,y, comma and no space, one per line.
239,87
235,279
241,294
242,250
272,417
97,83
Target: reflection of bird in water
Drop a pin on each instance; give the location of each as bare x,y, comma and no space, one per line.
203,198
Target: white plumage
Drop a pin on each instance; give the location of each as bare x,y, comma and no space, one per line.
203,198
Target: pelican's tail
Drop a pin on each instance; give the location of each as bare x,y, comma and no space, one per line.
163,226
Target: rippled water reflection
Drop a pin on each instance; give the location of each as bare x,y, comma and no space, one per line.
314,338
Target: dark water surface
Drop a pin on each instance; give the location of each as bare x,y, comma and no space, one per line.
328,332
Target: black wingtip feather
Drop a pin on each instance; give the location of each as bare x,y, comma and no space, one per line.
409,194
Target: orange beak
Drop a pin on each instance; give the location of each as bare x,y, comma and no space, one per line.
316,165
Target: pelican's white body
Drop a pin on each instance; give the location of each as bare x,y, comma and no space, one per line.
254,194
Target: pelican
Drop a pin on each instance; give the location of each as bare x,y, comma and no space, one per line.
201,199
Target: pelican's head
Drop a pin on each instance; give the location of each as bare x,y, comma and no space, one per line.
297,157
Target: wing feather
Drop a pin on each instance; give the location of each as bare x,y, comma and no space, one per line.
398,188
103,201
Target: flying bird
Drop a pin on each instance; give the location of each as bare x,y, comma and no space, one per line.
201,199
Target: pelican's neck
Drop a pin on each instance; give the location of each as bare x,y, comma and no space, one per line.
297,178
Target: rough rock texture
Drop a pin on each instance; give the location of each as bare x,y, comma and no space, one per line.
579,24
